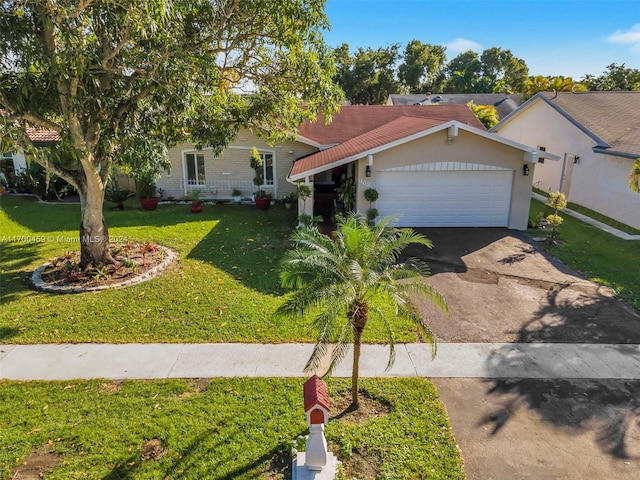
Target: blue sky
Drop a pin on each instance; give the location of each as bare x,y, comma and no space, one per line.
570,38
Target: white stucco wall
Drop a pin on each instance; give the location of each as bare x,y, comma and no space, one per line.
467,147
595,181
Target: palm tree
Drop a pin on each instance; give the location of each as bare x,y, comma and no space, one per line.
634,177
344,282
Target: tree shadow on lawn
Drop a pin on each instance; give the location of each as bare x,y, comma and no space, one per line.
191,461
609,407
49,217
15,277
249,248
245,242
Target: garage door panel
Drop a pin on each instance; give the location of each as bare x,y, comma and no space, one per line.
455,198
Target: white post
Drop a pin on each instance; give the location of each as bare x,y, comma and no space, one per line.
316,453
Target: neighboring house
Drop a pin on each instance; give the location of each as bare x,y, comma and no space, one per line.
433,166
596,135
12,162
503,103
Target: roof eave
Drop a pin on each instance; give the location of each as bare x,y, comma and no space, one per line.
423,133
606,151
573,121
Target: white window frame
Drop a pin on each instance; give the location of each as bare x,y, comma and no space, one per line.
185,169
263,156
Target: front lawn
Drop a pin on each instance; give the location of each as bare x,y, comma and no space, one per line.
225,287
601,257
222,428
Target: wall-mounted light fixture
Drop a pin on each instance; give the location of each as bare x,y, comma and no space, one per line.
367,171
525,170
576,159
452,133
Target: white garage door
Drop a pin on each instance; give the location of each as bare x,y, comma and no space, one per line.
446,198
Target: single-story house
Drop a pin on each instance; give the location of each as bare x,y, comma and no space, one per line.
434,166
12,162
502,102
595,135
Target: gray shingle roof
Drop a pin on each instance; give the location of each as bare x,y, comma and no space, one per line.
612,117
505,104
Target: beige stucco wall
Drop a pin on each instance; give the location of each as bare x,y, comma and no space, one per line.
232,168
596,181
467,147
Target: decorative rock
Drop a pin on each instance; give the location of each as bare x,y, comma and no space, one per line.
41,285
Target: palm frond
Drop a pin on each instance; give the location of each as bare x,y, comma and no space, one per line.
376,313
341,347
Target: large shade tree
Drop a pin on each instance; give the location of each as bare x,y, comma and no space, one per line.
351,280
367,76
119,81
421,67
494,71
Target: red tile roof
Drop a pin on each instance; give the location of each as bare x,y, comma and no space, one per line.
359,128
394,130
354,120
315,393
40,135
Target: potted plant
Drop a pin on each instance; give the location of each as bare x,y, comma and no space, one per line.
237,195
303,191
196,201
262,199
146,187
289,199
371,195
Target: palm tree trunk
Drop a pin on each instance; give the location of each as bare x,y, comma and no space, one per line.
355,372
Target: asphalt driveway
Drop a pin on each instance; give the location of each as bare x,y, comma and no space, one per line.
502,288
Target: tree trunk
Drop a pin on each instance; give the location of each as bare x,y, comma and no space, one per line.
355,372
94,235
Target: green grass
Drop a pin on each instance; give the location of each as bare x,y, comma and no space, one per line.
233,428
596,216
601,257
225,287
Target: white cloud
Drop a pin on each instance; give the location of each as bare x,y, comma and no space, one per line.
629,37
460,45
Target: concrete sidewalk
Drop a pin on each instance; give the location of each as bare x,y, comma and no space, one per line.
602,226
461,360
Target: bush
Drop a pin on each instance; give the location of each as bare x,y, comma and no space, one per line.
33,179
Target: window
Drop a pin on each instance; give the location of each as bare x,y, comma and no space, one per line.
542,149
267,168
195,169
